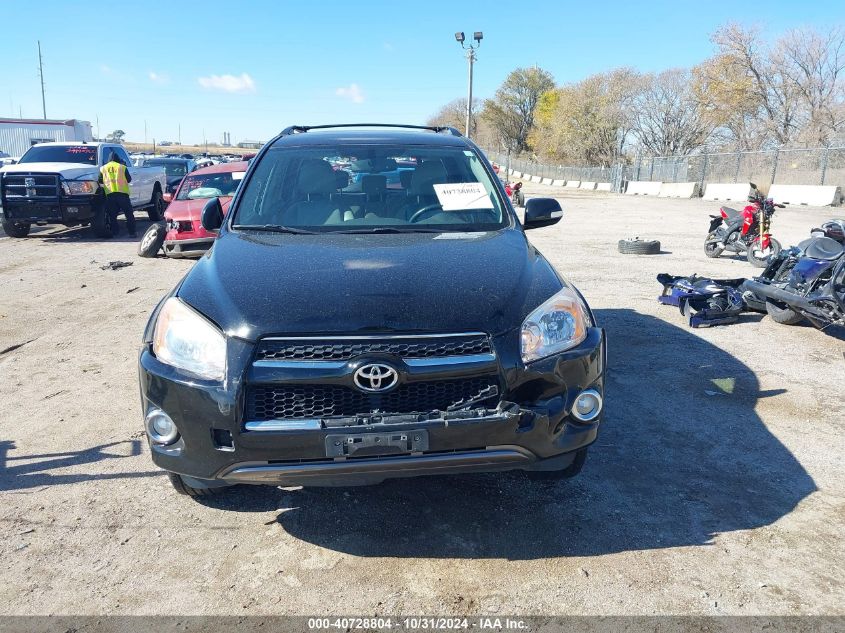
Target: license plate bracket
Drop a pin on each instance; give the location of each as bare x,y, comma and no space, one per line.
359,444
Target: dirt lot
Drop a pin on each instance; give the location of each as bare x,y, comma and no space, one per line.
716,487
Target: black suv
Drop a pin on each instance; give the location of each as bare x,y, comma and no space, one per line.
353,325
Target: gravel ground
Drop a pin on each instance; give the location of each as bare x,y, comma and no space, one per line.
716,486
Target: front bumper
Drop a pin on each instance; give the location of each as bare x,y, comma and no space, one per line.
531,429
188,247
68,210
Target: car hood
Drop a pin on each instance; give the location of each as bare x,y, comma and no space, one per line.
191,209
70,171
258,284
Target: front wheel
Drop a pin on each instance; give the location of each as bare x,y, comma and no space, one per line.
156,210
101,222
760,258
16,229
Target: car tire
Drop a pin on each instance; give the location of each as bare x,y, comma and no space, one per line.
183,488
570,471
152,240
519,199
156,210
639,247
16,229
101,222
784,316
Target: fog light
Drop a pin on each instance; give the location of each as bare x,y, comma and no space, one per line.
587,405
160,427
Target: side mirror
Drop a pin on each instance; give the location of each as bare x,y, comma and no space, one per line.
540,212
212,215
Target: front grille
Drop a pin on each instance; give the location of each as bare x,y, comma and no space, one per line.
43,185
346,349
319,401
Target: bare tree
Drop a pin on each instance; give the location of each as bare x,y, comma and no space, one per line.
511,111
454,114
667,117
814,63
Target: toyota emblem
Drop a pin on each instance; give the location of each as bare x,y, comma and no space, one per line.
375,377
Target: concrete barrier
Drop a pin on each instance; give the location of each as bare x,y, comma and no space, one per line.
558,183
589,186
815,196
516,174
536,179
547,181
727,191
572,184
603,186
643,188
678,190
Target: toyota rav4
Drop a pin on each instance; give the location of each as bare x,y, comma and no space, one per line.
346,328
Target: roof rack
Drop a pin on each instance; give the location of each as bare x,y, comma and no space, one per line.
439,129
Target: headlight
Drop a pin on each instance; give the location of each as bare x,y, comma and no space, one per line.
186,340
77,187
557,325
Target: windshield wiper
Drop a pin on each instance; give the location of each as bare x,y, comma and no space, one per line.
275,228
387,229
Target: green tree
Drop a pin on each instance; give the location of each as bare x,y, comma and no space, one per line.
116,136
511,111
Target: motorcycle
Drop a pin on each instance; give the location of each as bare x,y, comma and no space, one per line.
514,191
744,232
806,281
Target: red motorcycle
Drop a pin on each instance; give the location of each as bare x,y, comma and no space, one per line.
514,191
744,232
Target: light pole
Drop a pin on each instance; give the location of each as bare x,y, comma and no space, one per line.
470,49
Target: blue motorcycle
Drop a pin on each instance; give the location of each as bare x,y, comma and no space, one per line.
806,281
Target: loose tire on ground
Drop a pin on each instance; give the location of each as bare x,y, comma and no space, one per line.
152,240
101,223
16,229
639,247
784,316
184,489
156,209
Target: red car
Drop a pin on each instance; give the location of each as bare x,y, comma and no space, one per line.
182,234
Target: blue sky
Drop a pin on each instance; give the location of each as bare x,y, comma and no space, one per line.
252,68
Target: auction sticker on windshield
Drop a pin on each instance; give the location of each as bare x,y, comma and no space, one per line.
462,196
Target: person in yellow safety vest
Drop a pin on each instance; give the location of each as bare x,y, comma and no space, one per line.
115,178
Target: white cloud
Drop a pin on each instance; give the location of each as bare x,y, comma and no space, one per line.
158,78
228,83
352,92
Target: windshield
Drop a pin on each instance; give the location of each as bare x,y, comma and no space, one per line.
172,169
61,154
369,188
199,186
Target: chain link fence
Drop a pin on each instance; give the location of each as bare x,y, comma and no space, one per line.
816,166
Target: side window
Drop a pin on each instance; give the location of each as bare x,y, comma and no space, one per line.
123,156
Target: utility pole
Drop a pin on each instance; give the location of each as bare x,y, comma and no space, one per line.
179,136
145,131
470,53
41,73
98,127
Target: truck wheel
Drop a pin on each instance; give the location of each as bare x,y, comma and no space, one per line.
784,316
184,489
101,223
16,229
152,241
156,210
637,246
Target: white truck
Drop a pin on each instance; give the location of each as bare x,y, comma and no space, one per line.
56,183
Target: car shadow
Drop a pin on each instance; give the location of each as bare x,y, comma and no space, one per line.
21,472
86,233
682,457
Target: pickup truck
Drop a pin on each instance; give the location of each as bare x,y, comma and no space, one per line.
56,183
